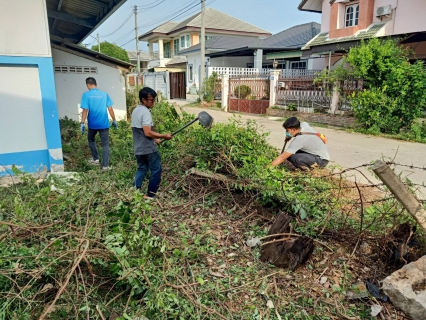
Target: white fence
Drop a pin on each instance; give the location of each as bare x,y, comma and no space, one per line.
285,73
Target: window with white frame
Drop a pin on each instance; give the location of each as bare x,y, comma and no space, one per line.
176,45
190,73
352,15
185,41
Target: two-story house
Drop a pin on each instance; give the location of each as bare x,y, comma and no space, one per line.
173,37
346,22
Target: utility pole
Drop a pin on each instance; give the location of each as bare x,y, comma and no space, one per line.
137,44
203,49
99,43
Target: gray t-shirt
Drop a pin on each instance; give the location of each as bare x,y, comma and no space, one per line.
308,143
141,117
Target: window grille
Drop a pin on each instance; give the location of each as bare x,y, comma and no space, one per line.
76,69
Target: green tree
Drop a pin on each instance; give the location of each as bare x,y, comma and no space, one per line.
395,89
112,50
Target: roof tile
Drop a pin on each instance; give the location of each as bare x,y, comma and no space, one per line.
323,39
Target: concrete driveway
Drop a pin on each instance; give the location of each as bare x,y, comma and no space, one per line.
347,150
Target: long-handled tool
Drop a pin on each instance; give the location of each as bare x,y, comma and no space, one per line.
204,119
285,143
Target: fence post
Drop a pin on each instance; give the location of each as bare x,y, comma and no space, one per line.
401,192
273,80
335,98
225,91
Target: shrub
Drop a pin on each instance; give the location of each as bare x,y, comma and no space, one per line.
292,107
208,87
391,79
242,91
375,111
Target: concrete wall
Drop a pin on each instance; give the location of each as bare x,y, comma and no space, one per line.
325,16
24,28
71,86
234,62
29,122
410,16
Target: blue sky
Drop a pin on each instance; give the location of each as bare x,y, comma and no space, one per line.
271,15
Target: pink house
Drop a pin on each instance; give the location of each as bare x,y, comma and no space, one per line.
345,22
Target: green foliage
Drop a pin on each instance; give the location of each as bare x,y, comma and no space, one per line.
242,91
291,107
132,100
208,87
397,87
376,111
394,89
112,50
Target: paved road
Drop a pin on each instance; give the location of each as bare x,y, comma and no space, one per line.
347,150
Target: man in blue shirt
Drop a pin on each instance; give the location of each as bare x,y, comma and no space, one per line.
95,104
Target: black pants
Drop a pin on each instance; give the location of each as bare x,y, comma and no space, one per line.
303,160
104,134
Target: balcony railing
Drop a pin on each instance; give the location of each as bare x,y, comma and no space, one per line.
156,55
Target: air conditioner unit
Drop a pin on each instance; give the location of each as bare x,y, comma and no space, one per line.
281,84
384,11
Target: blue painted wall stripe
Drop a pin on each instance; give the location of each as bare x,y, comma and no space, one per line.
27,161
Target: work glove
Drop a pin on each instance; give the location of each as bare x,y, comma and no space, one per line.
82,127
115,125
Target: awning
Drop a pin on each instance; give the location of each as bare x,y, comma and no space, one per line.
284,55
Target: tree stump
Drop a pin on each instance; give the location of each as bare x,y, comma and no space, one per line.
291,251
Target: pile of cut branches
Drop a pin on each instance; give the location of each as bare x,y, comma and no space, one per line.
97,250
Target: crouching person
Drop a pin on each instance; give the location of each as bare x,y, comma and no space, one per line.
145,141
307,150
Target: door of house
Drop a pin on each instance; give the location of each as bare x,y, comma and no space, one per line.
178,85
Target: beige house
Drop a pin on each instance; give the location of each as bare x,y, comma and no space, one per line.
345,22
172,37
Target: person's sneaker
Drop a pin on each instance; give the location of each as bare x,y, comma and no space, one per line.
106,168
146,197
93,162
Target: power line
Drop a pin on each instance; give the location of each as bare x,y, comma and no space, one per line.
196,3
155,4
163,19
159,19
167,17
125,21
149,4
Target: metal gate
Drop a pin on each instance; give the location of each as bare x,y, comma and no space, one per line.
303,93
159,81
249,94
178,85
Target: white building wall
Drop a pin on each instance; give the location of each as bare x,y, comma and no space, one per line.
410,16
24,28
21,107
71,86
194,60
